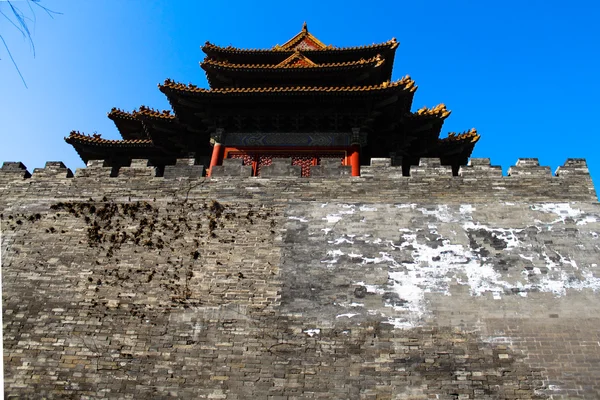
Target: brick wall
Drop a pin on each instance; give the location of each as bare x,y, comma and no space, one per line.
122,284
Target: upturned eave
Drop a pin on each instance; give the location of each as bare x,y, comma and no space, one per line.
209,48
228,66
405,84
76,137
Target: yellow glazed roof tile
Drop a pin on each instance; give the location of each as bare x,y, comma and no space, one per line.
393,43
438,111
142,112
118,113
405,83
467,136
150,112
79,137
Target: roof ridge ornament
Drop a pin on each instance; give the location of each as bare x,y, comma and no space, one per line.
470,135
439,111
304,40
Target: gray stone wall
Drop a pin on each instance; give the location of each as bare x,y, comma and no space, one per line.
122,284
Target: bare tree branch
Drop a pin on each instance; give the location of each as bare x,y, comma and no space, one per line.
20,21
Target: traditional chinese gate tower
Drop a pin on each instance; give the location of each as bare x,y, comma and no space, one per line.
302,100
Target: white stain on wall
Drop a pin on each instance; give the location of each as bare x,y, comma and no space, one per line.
419,264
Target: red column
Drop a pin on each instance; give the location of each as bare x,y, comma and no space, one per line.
215,158
355,160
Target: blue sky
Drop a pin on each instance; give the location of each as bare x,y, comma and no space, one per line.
524,73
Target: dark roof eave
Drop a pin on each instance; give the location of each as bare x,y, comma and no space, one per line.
273,69
223,94
461,148
97,142
209,47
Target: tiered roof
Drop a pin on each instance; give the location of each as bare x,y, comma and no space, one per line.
302,60
300,86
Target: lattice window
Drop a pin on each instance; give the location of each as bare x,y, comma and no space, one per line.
263,161
305,162
258,160
247,159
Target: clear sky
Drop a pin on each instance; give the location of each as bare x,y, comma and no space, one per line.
526,74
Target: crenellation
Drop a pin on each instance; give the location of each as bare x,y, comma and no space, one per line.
94,169
430,162
528,162
53,169
479,162
479,179
184,168
529,168
139,163
13,170
330,169
573,167
231,167
281,168
137,168
381,168
430,167
479,168
381,162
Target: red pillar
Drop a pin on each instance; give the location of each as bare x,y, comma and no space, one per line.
215,158
355,160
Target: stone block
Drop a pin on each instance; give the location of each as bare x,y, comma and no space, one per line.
381,162
232,167
573,167
94,169
430,167
183,168
137,168
479,168
381,168
330,168
53,169
528,162
429,162
14,170
280,168
529,168
479,162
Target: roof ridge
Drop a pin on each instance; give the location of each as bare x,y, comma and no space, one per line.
151,112
393,43
96,138
117,112
142,111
